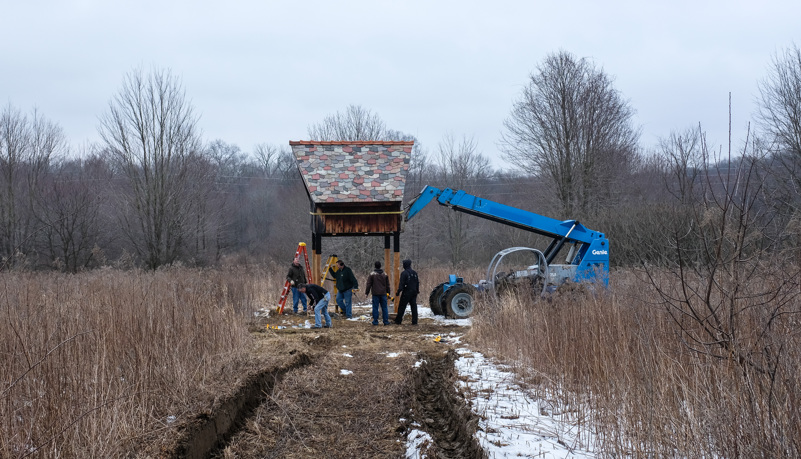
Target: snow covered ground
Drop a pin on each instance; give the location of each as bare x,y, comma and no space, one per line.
513,422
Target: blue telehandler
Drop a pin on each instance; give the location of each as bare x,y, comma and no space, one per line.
587,260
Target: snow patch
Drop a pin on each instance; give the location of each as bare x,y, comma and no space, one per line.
514,423
425,313
415,441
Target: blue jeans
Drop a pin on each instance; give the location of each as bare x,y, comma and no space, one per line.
296,295
322,307
343,301
380,300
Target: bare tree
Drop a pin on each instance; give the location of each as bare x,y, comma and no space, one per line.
732,292
682,157
572,126
640,219
461,167
70,212
779,117
226,158
151,137
417,232
355,123
267,157
276,162
27,147
779,112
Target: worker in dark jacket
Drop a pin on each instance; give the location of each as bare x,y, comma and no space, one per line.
346,282
319,298
297,276
408,288
378,283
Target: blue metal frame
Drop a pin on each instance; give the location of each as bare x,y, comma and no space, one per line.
592,258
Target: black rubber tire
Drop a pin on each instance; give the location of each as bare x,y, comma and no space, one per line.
435,299
459,301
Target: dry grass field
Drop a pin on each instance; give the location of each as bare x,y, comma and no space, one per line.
644,387
136,364
99,364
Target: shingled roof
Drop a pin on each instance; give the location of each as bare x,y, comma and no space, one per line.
354,171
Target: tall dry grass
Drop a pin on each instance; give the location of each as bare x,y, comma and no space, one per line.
620,364
102,364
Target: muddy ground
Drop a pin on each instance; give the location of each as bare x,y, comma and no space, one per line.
354,390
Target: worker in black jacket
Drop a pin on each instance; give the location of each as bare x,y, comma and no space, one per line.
346,282
319,298
295,277
408,288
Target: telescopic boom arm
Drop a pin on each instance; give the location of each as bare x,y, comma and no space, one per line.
590,252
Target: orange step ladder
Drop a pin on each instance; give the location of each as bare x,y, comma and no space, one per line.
331,263
287,285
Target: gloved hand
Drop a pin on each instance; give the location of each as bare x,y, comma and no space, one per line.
292,282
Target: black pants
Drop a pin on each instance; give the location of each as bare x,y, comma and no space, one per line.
412,302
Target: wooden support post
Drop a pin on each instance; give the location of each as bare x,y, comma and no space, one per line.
397,269
313,279
316,258
387,260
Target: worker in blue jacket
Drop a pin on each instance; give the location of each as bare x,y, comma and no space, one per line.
346,282
319,298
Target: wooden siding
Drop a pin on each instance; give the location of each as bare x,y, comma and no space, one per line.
357,219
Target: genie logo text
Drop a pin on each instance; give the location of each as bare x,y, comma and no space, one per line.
600,252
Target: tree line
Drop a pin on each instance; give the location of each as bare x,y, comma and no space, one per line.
154,193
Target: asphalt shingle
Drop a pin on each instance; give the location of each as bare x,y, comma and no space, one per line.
353,171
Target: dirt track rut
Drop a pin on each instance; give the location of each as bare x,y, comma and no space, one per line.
352,391
442,412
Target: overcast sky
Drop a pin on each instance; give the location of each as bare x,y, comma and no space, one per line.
263,71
